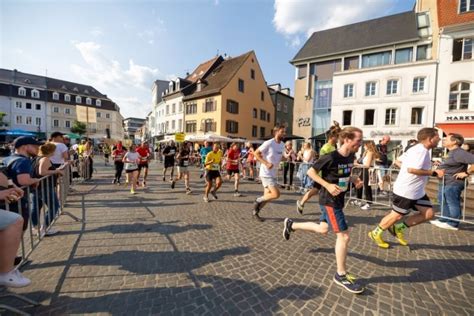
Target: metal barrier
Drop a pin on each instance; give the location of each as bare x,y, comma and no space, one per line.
445,206
296,171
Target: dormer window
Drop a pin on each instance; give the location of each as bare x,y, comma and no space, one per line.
22,91
75,89
63,87
67,98
55,96
88,101
78,99
86,91
98,102
177,84
171,86
35,94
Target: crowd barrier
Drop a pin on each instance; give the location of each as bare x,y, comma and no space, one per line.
41,205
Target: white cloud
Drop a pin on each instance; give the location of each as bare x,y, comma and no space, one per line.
131,85
96,32
294,17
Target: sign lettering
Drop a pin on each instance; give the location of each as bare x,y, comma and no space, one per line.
303,121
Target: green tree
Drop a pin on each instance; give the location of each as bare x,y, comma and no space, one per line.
79,128
2,123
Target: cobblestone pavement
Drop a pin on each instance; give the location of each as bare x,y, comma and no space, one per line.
163,252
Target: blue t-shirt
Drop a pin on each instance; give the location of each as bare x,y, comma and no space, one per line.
16,165
203,152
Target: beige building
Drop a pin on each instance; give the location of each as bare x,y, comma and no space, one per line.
232,100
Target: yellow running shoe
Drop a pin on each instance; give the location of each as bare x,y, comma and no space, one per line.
378,240
398,233
132,191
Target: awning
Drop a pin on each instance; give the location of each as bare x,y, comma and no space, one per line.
465,129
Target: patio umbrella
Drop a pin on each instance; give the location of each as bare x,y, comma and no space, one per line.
17,132
73,136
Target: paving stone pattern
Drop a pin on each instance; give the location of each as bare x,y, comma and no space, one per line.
164,252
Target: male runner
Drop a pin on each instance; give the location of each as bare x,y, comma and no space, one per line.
144,156
213,167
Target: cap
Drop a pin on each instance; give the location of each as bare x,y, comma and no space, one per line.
26,140
56,134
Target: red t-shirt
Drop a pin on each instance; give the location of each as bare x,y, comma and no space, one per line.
143,153
118,154
233,155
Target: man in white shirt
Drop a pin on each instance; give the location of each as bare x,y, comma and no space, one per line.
61,154
409,190
269,154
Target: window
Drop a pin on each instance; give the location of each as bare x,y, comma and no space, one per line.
262,96
55,96
254,131
232,107
416,116
263,115
22,92
180,125
390,116
466,6
302,71
462,49
99,114
107,115
67,98
67,111
18,104
423,52
191,108
241,85
19,119
351,63
209,105
231,127
285,108
252,73
55,123
423,20
404,55
369,117
173,125
78,99
29,120
268,117
38,121
262,132
254,113
377,59
55,109
180,107
419,84
392,87
278,106
191,126
208,126
38,107
346,117
89,101
28,106
459,96
173,108
167,109
35,94
370,88
348,90
98,102
67,124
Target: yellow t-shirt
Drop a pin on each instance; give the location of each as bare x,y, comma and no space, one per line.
80,149
216,160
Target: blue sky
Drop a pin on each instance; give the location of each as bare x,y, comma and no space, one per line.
120,47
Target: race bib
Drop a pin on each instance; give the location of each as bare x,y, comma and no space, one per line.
215,166
343,183
185,163
131,166
172,152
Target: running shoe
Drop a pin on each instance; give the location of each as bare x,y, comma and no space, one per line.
114,181
14,278
258,218
205,199
188,191
287,223
51,232
164,178
132,191
349,283
237,194
214,195
365,207
378,240
299,207
256,207
172,184
144,184
398,234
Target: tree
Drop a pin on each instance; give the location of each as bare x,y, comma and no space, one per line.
79,128
2,123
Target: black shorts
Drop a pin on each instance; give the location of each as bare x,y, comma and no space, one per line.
316,185
130,170
404,206
232,172
212,174
142,165
169,164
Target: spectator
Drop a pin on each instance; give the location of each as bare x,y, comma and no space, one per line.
455,168
368,159
410,144
382,162
289,157
87,154
19,169
61,154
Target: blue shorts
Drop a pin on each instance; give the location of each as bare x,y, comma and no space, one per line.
334,217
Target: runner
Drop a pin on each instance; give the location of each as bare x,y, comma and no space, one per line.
213,167
269,154
106,150
409,190
183,163
117,156
169,152
251,162
327,148
232,167
203,152
131,160
332,172
144,156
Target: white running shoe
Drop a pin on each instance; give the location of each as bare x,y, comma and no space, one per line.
365,207
14,278
443,225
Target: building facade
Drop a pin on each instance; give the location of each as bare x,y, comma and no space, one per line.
131,125
283,104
